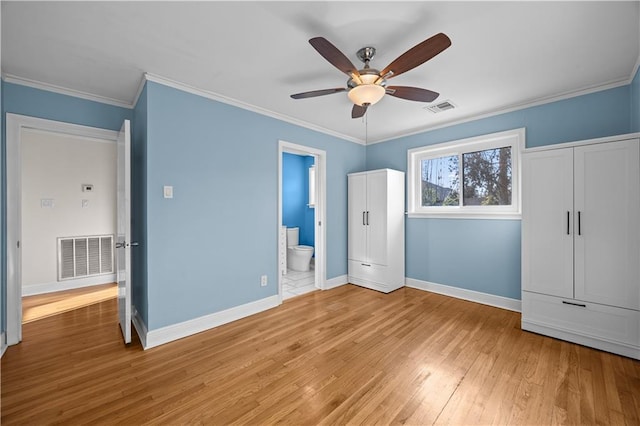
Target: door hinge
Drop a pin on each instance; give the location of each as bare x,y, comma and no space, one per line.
18,244
319,223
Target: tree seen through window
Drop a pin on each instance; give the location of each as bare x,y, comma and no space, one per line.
486,179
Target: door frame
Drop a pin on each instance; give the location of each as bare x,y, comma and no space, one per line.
15,124
320,233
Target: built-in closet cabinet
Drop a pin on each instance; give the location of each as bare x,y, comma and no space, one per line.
376,229
581,243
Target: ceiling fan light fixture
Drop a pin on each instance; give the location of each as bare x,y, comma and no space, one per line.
366,94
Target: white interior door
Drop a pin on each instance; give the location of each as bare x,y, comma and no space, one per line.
123,240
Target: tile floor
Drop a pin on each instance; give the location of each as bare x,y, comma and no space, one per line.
295,283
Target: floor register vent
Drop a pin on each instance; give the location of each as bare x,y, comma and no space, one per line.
80,257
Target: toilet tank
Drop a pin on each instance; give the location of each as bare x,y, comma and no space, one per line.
292,236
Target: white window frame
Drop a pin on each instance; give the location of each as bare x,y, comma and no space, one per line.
312,186
513,138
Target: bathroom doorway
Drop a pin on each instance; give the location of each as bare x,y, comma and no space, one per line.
301,213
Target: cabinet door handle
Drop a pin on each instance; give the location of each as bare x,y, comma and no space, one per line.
363,222
365,264
579,228
367,218
568,229
574,304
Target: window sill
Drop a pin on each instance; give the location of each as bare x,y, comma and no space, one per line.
465,215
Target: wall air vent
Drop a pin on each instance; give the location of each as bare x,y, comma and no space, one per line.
440,107
85,256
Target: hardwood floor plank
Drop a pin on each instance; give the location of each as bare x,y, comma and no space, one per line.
344,356
45,305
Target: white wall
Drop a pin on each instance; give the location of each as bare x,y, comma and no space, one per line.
54,166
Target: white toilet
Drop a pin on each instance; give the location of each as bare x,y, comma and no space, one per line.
298,257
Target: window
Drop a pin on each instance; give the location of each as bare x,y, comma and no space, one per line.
470,178
312,187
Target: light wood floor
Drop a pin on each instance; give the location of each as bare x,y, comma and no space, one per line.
347,355
45,305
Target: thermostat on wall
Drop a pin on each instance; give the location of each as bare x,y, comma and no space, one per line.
86,187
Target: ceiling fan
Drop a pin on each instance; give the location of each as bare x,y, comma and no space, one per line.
367,86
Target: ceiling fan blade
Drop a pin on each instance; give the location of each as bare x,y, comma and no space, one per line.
315,93
412,93
417,55
333,55
358,111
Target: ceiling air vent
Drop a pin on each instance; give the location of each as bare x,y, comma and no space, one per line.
440,107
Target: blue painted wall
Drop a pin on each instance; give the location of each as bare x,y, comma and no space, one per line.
139,206
295,196
484,255
207,247
635,102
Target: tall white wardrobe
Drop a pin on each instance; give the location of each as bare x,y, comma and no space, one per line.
376,229
581,243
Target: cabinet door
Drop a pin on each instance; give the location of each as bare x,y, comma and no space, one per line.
357,207
547,222
377,208
607,258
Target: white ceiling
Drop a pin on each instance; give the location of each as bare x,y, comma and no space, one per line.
504,55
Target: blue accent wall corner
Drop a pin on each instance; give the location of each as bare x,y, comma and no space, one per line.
208,246
139,206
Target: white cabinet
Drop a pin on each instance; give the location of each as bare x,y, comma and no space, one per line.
376,229
581,244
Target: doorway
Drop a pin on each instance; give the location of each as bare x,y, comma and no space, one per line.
18,129
292,283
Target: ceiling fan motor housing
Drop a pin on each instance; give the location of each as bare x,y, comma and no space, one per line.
366,54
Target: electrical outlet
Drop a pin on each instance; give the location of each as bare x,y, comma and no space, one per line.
263,280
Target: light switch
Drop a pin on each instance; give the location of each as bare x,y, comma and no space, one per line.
85,204
46,203
168,192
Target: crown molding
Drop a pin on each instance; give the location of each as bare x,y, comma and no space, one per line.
234,102
143,81
512,108
533,103
9,78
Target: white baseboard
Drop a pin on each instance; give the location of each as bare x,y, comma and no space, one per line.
173,332
30,290
3,343
571,336
140,327
461,293
335,282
